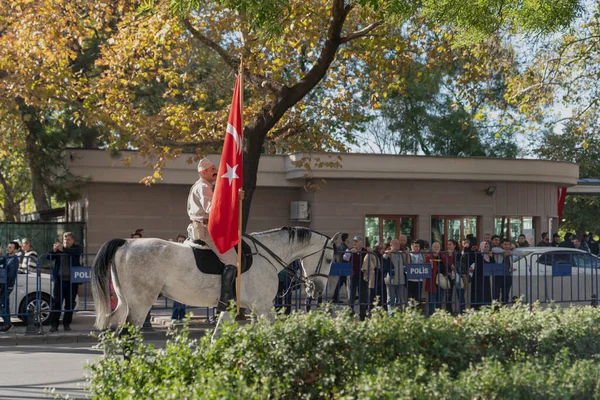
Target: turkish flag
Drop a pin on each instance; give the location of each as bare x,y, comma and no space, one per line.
224,222
562,195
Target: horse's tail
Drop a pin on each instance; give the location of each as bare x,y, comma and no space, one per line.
100,277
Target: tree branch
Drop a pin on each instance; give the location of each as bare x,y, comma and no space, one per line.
339,12
360,33
230,60
285,135
278,132
234,62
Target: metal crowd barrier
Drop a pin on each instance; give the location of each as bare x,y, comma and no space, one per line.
557,276
553,277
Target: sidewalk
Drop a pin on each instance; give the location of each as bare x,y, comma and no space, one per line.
83,328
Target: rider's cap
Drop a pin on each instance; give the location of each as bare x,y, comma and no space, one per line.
357,238
204,164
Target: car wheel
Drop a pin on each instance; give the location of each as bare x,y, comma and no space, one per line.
45,301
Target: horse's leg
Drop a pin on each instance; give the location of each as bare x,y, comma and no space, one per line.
265,309
117,317
138,310
256,289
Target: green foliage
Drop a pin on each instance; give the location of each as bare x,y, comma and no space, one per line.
580,214
476,21
442,100
578,143
511,353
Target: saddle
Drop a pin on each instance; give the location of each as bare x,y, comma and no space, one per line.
207,261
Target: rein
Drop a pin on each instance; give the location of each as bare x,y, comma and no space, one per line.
295,278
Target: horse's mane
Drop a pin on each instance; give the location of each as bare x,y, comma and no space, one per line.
295,233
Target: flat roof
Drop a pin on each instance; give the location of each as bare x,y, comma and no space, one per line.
290,170
586,187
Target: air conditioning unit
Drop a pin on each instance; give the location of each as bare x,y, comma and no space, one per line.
299,211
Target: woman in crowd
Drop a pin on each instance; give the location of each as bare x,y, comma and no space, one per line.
380,289
481,291
437,286
454,274
370,267
394,275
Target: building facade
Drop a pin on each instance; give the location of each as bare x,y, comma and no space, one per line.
377,196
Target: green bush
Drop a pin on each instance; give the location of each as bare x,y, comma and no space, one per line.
513,352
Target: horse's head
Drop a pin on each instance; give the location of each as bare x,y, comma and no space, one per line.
316,266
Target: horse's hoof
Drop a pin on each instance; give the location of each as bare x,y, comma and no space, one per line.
240,317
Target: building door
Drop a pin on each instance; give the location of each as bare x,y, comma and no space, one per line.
382,228
453,227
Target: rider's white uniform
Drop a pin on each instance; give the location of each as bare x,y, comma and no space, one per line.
198,206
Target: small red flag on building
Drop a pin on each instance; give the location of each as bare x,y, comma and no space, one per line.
562,196
224,218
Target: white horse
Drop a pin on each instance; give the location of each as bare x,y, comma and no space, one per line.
143,269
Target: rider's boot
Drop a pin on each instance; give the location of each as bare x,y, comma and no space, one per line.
227,289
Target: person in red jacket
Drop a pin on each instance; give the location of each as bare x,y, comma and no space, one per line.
435,258
355,255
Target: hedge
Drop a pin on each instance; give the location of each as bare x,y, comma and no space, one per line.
509,353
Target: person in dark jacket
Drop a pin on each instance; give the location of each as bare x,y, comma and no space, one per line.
11,264
592,244
64,256
544,242
481,291
339,258
464,259
555,240
568,242
354,255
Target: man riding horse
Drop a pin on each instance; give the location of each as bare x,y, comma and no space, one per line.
199,207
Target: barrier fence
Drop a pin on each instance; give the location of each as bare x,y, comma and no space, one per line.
434,281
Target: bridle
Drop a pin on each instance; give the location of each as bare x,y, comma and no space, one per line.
290,270
320,264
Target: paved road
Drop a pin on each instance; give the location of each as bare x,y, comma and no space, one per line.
27,371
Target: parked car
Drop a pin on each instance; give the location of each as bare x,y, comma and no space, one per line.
556,274
24,295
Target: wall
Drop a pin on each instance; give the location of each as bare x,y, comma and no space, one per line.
342,206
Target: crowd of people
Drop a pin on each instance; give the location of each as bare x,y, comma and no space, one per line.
379,275
65,253
21,255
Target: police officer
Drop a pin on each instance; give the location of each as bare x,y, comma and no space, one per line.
199,207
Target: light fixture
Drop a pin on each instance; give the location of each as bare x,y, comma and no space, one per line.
490,190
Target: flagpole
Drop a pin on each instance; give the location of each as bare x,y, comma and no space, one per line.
240,199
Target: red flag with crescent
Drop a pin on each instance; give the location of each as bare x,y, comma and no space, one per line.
224,216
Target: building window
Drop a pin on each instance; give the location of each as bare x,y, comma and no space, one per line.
512,227
455,227
382,228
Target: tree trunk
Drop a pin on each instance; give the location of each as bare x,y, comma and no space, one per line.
254,139
10,207
10,213
34,159
251,160
38,189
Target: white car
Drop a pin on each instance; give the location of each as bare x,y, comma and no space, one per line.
556,274
24,295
